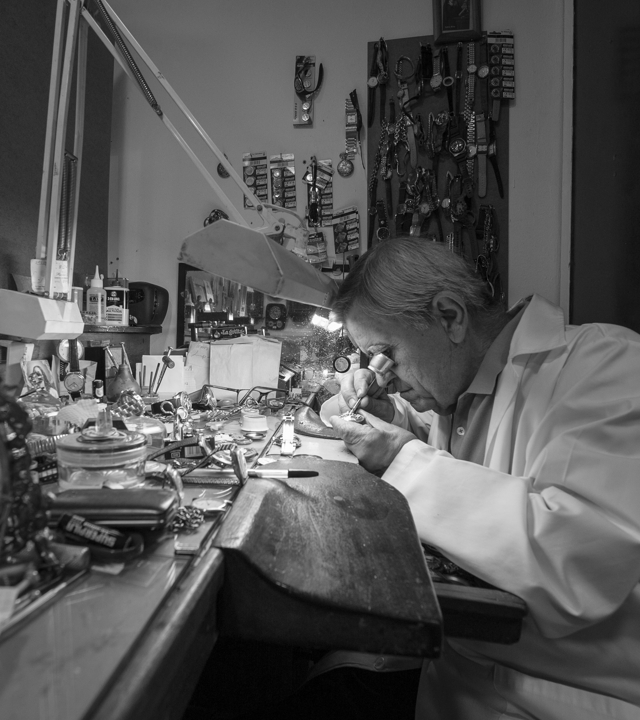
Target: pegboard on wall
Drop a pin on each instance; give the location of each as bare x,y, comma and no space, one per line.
438,168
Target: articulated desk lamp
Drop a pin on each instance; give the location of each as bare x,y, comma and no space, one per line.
263,258
259,258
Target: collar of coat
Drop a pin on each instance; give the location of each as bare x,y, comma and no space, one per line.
541,328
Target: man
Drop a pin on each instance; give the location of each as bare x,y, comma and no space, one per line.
516,441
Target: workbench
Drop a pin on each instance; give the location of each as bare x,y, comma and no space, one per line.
326,562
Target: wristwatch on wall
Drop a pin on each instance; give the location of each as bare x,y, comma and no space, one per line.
436,78
382,232
481,154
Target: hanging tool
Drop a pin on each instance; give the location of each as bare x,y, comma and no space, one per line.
353,97
313,215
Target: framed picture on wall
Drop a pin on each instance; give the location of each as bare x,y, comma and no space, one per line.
456,21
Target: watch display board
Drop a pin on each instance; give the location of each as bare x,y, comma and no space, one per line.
437,146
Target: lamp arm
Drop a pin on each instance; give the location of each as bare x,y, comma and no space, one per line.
271,227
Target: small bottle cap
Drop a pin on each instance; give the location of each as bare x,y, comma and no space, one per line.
96,281
98,388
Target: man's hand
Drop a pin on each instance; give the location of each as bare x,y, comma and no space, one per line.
375,444
354,386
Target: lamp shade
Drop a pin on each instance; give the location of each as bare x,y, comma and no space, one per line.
247,256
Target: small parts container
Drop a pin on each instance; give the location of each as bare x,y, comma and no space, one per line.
154,430
92,459
253,422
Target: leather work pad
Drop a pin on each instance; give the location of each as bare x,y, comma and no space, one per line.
332,561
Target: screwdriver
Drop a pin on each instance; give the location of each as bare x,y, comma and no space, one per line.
380,364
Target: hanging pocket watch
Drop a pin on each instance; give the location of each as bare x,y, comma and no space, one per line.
345,166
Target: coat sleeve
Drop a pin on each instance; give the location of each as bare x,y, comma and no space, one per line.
560,527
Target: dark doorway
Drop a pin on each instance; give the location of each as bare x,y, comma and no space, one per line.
605,272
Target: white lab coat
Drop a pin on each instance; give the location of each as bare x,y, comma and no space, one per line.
553,516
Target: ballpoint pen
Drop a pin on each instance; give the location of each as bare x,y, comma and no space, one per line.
281,473
253,472
243,473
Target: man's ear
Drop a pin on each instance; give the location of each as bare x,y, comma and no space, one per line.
451,313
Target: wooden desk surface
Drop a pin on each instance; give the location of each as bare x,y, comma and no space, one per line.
128,646
96,650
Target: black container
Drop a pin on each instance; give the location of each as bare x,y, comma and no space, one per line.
148,303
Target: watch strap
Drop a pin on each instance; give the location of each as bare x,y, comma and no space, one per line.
383,75
447,80
381,212
481,135
372,84
389,197
436,78
401,207
383,223
383,101
74,356
471,143
483,89
413,149
495,109
373,190
492,155
496,170
426,65
417,220
458,79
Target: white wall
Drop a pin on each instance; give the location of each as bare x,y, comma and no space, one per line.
231,62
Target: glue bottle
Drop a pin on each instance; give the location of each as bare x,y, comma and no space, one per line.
117,300
97,297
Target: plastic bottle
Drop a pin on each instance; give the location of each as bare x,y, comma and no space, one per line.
117,300
97,297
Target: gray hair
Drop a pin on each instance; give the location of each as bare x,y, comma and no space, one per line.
400,277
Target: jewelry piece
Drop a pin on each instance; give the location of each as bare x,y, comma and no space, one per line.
187,519
436,78
353,120
345,166
296,441
353,417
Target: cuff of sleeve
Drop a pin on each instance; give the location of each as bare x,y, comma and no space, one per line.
397,474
